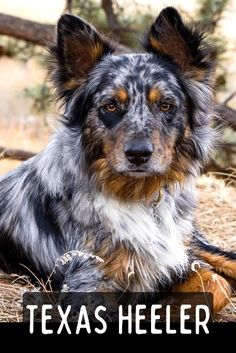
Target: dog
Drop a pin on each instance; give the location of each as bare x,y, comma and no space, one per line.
109,204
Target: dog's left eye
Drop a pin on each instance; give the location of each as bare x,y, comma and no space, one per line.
111,108
165,107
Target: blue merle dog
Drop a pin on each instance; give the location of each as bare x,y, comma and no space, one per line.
109,204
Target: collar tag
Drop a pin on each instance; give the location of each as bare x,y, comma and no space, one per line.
157,198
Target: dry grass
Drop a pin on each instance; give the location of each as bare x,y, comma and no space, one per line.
216,213
12,288
216,216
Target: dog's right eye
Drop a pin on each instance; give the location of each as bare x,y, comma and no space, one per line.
110,114
111,108
165,107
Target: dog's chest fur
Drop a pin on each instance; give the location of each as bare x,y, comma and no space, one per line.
143,245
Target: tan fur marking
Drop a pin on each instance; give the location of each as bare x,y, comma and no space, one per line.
194,284
197,74
96,51
118,265
155,43
176,48
71,84
122,95
82,56
172,44
125,188
154,95
220,263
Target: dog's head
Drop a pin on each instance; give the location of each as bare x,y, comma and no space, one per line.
143,117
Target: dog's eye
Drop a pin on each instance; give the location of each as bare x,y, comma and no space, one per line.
111,108
165,107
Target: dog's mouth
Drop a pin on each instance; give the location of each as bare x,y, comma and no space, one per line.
138,173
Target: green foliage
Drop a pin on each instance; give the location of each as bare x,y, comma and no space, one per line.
210,13
40,95
15,48
90,10
130,22
138,19
209,16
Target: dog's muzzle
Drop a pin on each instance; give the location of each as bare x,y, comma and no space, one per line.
138,151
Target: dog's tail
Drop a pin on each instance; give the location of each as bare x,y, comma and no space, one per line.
223,262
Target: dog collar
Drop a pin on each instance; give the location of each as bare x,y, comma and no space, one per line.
156,199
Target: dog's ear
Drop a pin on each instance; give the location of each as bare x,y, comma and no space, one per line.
185,46
78,48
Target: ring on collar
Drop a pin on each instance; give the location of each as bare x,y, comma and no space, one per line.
157,198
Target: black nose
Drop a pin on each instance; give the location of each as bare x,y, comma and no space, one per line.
138,151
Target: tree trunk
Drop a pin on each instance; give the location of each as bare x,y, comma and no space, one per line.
29,31
68,7
112,19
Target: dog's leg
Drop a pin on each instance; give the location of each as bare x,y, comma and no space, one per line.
223,262
207,281
80,274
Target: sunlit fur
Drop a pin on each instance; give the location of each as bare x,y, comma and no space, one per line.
82,193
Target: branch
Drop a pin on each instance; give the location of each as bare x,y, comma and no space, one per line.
229,98
33,32
113,21
29,31
112,18
227,115
68,7
20,155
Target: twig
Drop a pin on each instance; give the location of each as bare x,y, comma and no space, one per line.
112,18
68,7
229,98
20,155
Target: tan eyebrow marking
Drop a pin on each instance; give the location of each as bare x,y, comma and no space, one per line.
122,95
154,95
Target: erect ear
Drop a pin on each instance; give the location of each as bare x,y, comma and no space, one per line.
185,46
78,48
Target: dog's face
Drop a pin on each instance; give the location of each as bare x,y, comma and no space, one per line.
136,112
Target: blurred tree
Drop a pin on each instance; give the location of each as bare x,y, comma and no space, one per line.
209,15
109,16
68,7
